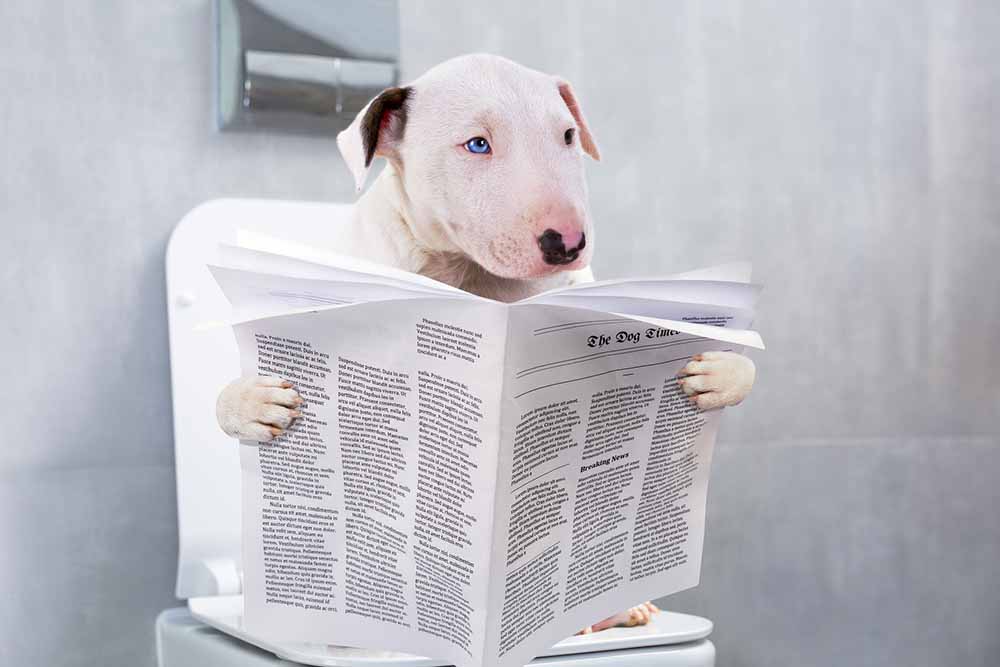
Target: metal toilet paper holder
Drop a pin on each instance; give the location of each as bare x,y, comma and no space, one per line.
306,67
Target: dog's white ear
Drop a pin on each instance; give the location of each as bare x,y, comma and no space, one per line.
586,138
375,131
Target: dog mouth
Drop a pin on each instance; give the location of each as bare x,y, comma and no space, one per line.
512,257
560,259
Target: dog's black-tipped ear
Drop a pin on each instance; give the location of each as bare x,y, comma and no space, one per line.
375,131
587,140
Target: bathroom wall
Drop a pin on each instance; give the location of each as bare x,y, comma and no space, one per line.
106,140
851,150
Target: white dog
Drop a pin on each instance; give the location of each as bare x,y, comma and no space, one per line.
484,190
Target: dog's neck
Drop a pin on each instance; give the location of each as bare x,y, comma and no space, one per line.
385,231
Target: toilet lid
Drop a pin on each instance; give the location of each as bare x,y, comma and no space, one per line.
202,362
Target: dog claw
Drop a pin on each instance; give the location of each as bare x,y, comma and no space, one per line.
257,408
717,379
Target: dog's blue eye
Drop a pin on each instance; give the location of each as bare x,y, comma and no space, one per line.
477,145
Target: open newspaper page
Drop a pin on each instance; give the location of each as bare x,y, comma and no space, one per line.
368,523
603,471
472,481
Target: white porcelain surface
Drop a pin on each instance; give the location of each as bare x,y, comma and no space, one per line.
202,361
673,640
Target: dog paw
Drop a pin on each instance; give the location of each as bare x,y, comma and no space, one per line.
257,408
717,379
631,617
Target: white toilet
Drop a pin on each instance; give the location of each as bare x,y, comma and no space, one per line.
209,631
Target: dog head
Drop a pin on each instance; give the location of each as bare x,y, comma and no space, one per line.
490,158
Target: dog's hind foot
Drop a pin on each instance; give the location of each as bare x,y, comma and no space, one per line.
631,617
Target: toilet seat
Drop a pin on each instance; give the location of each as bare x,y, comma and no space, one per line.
225,613
184,641
209,569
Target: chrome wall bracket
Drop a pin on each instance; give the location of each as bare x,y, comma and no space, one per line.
302,66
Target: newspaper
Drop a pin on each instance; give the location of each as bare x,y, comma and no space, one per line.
471,481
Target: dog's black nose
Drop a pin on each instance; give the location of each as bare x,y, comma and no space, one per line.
554,251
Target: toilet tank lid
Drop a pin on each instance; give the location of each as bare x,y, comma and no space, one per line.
201,363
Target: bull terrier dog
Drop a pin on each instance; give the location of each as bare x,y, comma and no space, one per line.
484,190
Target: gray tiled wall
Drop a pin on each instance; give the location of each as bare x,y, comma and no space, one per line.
852,150
873,551
106,141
